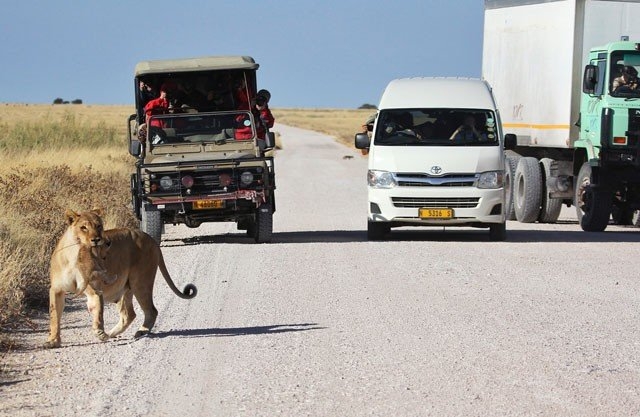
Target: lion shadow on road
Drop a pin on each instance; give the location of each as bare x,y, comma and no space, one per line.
237,331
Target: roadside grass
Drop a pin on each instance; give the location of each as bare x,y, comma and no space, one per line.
58,157
341,124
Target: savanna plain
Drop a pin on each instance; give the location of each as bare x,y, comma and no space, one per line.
54,157
320,321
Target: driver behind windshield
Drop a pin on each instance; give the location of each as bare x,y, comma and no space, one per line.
627,81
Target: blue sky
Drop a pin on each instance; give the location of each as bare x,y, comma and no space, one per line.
328,54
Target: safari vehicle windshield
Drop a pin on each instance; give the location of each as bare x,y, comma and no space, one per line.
218,127
436,127
624,74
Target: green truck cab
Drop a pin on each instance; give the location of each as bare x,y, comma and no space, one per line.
607,153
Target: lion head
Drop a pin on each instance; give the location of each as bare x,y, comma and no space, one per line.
87,227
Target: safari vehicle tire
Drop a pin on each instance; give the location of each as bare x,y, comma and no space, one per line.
151,224
136,203
511,162
527,190
263,224
377,230
593,208
498,232
550,207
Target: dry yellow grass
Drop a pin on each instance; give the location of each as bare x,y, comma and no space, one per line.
114,116
54,158
341,124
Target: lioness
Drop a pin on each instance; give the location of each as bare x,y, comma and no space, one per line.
111,265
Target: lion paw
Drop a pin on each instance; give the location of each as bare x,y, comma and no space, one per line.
141,333
51,344
102,335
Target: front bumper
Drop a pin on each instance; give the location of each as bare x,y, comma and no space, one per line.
471,206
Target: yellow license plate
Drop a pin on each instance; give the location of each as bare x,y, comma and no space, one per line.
435,213
208,204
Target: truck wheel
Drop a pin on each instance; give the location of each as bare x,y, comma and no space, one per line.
263,224
511,162
622,215
498,232
151,223
636,218
377,230
593,208
549,207
527,190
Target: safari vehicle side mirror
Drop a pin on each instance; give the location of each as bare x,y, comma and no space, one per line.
135,148
510,141
362,141
270,140
590,79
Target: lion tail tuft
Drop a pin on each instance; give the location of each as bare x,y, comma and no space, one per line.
189,291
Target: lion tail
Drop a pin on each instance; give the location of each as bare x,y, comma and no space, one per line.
189,291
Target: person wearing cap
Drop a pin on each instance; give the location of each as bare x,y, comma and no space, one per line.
628,80
266,118
367,128
262,115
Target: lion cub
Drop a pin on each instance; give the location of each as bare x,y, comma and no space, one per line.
106,265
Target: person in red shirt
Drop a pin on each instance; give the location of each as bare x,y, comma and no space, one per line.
262,115
159,105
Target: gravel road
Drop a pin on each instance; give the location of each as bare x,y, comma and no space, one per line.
323,323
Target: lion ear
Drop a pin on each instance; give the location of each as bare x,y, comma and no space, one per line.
70,216
98,211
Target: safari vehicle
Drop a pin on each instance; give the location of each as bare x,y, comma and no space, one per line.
436,157
201,159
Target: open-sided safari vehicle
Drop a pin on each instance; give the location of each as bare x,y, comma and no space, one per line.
201,159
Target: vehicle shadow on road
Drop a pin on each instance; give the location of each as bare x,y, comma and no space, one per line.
312,236
517,236
452,234
237,331
577,236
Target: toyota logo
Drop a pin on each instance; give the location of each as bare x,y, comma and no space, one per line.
436,170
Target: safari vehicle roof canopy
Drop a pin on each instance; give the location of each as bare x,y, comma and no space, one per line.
210,63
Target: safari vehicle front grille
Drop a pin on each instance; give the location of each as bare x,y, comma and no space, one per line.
418,202
425,180
204,182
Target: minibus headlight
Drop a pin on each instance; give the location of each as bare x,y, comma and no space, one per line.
381,179
491,179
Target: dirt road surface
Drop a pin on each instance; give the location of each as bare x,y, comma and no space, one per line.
323,323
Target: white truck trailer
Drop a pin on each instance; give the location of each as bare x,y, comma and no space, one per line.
552,65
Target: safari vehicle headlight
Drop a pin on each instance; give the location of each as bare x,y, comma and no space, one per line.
381,179
246,177
491,179
166,183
